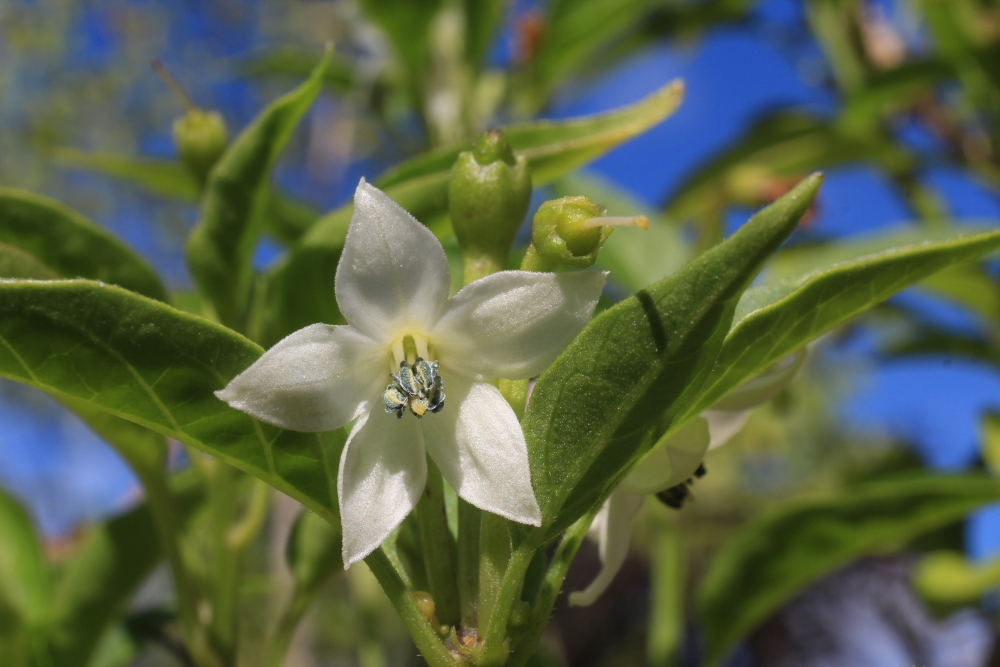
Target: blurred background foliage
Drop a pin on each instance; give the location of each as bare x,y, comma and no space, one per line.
898,101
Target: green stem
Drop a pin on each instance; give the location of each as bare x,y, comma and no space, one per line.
532,261
469,519
666,621
525,645
241,534
493,623
494,555
424,636
439,553
287,624
478,264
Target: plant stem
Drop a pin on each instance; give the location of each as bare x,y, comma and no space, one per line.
532,261
494,609
424,636
525,645
439,554
477,264
469,519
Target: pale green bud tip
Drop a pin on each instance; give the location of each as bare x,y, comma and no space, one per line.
201,138
561,231
492,146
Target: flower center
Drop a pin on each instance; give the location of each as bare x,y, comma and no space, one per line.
417,386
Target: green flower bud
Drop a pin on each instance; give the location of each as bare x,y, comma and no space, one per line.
200,138
488,198
561,235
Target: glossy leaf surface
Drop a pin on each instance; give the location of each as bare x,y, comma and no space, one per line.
156,366
68,244
591,413
777,318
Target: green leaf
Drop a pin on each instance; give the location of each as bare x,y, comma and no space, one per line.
637,363
788,144
296,63
555,147
16,263
481,20
575,32
285,217
407,24
103,575
840,283
166,178
313,553
25,595
949,578
67,244
151,364
781,552
221,244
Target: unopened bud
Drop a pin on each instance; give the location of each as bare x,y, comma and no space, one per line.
488,197
201,139
200,136
571,231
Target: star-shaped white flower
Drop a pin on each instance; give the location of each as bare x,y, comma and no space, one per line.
673,462
392,288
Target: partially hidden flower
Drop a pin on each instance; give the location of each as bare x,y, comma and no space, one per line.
410,368
673,462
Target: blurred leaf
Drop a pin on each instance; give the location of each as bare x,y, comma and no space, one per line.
407,24
895,90
574,34
784,550
313,552
834,288
787,144
949,578
930,340
969,286
115,558
25,595
634,257
285,217
555,147
167,178
990,446
592,411
296,63
220,246
482,17
156,366
69,245
16,263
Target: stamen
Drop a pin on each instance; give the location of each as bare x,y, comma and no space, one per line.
640,221
417,386
398,353
421,344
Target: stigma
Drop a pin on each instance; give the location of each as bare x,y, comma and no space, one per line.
417,386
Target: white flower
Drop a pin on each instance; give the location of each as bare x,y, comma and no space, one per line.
672,463
392,288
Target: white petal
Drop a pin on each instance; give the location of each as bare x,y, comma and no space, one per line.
382,473
672,461
393,271
723,425
614,532
312,380
478,444
513,324
764,386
